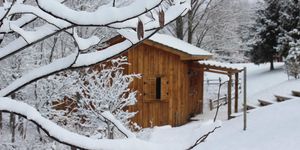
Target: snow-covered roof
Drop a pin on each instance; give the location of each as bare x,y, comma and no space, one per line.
178,44
221,64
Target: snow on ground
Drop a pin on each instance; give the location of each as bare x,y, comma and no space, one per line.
283,89
180,138
275,127
264,131
261,82
259,77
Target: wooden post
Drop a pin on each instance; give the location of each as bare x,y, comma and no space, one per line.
245,98
211,104
229,95
236,93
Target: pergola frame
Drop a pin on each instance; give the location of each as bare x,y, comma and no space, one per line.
229,72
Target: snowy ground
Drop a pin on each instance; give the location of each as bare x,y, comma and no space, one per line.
274,127
180,138
261,83
264,132
259,77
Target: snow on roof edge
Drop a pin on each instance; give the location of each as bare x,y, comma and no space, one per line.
220,64
178,44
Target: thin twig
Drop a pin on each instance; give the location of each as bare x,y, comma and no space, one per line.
203,138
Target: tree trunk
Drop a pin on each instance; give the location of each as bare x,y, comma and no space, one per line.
179,28
40,134
190,27
0,120
271,64
12,127
110,134
12,122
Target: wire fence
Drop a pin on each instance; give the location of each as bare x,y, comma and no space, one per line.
212,92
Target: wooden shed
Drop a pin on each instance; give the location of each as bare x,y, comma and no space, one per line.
171,87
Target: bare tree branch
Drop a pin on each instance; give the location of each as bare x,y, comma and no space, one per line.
203,138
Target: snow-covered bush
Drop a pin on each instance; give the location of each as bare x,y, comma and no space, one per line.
101,88
108,91
292,62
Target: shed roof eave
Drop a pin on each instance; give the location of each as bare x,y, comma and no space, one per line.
217,67
221,65
197,57
183,55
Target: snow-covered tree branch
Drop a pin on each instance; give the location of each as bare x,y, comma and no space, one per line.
68,41
31,37
67,137
101,99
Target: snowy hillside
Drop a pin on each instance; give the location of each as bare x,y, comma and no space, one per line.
272,127
269,128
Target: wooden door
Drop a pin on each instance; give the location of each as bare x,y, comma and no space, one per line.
195,75
155,100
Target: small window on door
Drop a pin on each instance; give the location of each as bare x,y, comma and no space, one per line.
158,88
155,88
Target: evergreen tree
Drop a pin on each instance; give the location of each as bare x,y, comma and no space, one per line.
292,63
276,28
289,36
289,26
266,30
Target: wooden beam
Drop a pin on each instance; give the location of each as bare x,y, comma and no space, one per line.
264,102
229,96
296,93
236,92
196,57
221,68
216,71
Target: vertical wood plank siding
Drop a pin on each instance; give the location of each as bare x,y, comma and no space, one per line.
182,91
